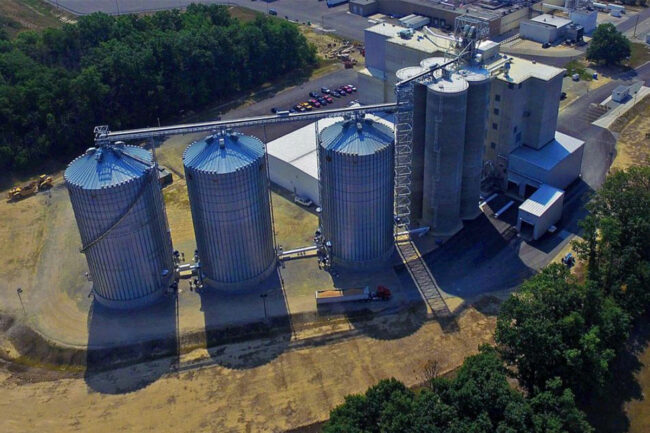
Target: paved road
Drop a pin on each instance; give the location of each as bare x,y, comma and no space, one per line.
337,18
629,23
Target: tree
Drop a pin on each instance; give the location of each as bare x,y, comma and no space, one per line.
478,400
608,45
556,327
616,235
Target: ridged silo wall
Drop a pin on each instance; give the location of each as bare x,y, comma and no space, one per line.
443,165
357,194
132,265
232,221
478,98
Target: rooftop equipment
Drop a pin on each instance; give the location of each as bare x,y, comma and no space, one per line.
228,187
356,163
118,205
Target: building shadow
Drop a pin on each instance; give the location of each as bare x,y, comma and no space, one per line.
128,350
402,315
248,328
481,258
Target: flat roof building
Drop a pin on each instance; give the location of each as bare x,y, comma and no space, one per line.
544,28
540,212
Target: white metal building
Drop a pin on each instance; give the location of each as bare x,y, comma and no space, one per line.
556,164
544,28
540,212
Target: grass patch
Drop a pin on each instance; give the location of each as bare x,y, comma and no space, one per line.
639,55
244,15
576,67
21,15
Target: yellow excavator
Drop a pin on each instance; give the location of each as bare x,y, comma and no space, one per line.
19,192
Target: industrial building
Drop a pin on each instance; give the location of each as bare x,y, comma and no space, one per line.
118,206
356,160
500,17
228,188
539,212
544,28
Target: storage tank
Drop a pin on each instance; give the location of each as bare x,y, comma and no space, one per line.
118,205
478,98
228,188
356,162
443,153
417,158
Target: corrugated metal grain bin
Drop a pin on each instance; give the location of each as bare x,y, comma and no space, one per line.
228,187
120,213
443,159
356,159
478,98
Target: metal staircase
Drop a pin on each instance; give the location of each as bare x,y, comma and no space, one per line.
422,277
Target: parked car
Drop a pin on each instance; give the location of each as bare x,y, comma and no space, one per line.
273,12
274,110
303,201
351,87
329,99
563,96
325,90
546,45
335,93
313,94
322,101
314,103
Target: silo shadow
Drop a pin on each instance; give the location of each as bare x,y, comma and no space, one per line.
129,350
249,328
400,316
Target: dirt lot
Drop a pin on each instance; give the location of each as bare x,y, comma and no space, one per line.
298,387
633,146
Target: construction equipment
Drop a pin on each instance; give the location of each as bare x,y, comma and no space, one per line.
19,192
356,294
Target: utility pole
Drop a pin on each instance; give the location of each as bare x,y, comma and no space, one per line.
117,7
635,24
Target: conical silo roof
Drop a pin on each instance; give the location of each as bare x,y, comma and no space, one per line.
223,153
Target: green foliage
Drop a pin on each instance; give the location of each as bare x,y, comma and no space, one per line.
608,45
478,400
130,70
556,327
616,237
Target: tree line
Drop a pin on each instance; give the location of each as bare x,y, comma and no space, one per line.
558,336
130,70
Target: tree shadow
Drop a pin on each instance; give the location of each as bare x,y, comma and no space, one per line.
249,328
606,411
129,350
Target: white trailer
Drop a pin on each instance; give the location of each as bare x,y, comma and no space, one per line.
348,295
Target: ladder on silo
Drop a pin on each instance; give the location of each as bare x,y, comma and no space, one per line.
422,277
403,153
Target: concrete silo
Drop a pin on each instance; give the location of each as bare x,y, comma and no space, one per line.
443,153
228,188
119,209
478,98
356,162
419,121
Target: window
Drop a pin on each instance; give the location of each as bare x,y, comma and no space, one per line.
496,111
493,145
497,97
495,126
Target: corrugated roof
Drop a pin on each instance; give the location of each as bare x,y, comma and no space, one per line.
541,200
223,153
108,166
356,138
551,154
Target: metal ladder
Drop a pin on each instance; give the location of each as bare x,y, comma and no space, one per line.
403,154
422,277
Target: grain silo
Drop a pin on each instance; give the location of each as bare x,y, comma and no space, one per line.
443,154
478,98
417,156
228,187
356,162
118,205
